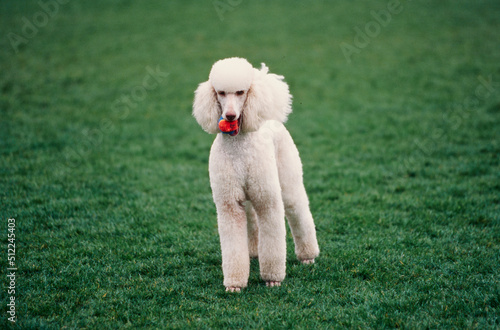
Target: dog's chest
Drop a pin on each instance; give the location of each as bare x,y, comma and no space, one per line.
243,156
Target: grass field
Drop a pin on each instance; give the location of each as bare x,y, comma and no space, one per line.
396,116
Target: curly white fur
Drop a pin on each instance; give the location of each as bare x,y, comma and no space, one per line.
256,176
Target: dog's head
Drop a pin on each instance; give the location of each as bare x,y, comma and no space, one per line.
237,91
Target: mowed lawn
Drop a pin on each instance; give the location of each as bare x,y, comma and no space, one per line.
396,116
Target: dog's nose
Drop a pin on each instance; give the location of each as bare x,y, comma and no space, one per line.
230,117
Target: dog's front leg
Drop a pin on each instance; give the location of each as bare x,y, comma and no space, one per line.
269,208
272,244
233,239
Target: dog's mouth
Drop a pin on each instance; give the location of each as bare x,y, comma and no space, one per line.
235,132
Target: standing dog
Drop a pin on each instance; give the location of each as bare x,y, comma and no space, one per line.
255,172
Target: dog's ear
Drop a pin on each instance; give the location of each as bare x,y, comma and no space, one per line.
206,108
268,99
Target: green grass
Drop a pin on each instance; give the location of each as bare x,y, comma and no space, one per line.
115,224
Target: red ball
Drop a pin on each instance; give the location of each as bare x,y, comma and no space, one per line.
228,126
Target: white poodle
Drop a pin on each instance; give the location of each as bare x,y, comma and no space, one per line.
255,172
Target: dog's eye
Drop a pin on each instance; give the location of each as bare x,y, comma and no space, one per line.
221,93
239,93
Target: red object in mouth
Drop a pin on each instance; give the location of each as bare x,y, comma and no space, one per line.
228,126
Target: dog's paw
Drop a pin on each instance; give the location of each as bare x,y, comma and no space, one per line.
307,261
233,289
273,283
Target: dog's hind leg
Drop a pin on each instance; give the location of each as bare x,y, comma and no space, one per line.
302,226
296,202
253,230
